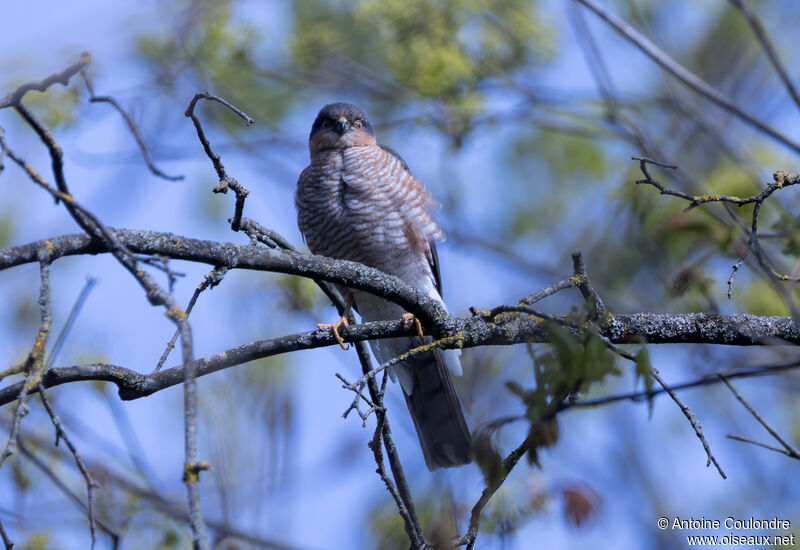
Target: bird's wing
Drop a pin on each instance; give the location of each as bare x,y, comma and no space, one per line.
430,204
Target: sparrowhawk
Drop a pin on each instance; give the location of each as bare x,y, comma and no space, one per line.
357,200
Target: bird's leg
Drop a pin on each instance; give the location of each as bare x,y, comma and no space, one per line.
342,322
410,317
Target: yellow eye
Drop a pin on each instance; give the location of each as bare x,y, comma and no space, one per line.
358,124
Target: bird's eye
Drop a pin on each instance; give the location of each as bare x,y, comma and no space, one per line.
358,124
326,123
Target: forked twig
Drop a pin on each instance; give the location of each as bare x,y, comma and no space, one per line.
134,129
225,182
788,449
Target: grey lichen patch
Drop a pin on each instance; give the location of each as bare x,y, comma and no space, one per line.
738,329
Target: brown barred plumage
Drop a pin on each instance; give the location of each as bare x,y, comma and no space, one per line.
359,201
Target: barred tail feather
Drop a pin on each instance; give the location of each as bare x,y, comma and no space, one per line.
436,410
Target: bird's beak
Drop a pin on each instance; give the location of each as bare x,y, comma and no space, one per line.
342,125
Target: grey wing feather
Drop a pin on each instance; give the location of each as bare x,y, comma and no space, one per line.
434,261
434,256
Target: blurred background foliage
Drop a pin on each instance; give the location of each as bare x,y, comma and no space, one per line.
521,117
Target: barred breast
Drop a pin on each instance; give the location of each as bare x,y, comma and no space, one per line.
361,204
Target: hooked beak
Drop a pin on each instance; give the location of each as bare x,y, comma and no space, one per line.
341,125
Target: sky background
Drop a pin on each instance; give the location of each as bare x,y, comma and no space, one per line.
292,469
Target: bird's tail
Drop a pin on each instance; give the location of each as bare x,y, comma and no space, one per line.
436,409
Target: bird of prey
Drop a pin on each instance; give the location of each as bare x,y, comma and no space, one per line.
357,200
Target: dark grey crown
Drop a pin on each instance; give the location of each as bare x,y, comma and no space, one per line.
333,111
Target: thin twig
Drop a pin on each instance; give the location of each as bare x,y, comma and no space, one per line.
731,279
788,448
781,180
763,370
62,486
225,182
375,446
404,500
763,39
545,292
359,396
61,435
73,315
134,129
151,498
33,364
592,298
475,516
3,149
210,280
685,76
448,342
687,412
62,77
597,309
744,439
6,541
155,295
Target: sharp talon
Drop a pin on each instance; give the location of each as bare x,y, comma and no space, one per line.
334,327
410,317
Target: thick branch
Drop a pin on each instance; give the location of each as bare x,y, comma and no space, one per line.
657,329
741,329
233,256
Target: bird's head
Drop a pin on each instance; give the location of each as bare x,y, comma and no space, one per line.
340,125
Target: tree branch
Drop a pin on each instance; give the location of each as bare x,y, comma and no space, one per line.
61,77
700,328
695,328
688,78
763,39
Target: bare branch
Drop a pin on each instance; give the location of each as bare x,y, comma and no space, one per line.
545,292
597,309
788,449
744,439
73,314
61,434
225,182
34,363
763,39
134,129
413,529
689,79
734,270
739,329
405,503
689,328
36,461
763,370
475,516
6,541
210,280
781,180
62,77
687,412
3,149
155,295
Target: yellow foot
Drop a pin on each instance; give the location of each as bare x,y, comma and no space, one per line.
335,328
410,317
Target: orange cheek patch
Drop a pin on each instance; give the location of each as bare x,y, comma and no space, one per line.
358,138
